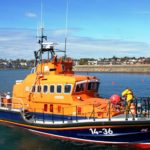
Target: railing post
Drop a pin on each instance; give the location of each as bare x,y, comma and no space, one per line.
148,106
34,114
141,107
71,118
76,114
136,105
52,117
0,101
43,116
109,110
93,112
127,111
63,114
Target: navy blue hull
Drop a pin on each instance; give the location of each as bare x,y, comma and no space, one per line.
108,132
117,135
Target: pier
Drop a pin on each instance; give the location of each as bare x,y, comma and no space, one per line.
145,68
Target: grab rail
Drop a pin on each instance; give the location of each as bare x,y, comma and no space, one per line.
10,105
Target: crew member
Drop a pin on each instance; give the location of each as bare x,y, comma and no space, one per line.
8,99
128,95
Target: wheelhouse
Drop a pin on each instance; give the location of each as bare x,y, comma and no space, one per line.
87,86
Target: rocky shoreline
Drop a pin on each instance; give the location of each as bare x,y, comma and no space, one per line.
114,68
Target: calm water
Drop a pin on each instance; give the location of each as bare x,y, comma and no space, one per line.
12,138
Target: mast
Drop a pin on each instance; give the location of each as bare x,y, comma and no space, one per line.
66,28
48,46
41,40
41,37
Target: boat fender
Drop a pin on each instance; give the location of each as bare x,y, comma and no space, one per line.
114,99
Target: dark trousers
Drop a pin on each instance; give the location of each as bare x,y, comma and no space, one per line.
128,105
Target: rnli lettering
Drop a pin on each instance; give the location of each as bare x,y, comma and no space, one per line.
102,131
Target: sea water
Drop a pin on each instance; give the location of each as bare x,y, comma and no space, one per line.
14,138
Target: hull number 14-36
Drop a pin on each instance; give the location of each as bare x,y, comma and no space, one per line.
102,131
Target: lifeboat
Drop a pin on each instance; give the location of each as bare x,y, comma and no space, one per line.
54,101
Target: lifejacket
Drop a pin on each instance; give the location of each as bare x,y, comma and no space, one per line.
128,94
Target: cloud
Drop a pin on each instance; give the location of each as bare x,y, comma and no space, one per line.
17,43
89,47
20,43
30,14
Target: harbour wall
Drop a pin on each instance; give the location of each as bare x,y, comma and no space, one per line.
114,68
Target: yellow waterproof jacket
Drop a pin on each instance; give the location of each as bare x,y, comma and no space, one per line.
128,94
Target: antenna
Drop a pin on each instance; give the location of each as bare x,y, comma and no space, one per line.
66,30
42,40
42,22
41,37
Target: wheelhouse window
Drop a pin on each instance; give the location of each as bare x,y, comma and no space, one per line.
45,89
33,88
80,87
93,86
52,88
67,88
59,88
39,88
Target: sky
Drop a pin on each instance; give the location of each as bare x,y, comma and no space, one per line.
96,28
